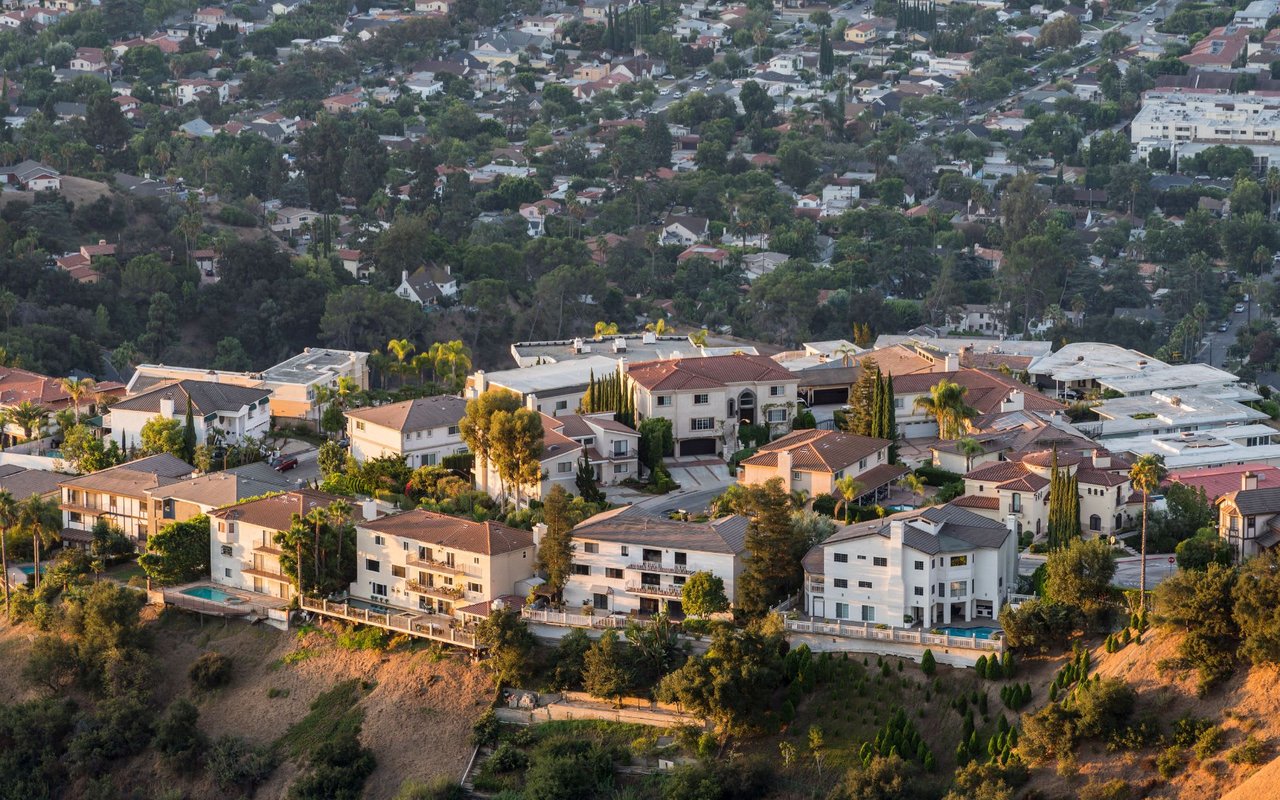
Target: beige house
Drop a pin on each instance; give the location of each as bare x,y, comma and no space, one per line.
707,398
242,549
421,431
180,501
812,461
424,561
1019,489
119,495
1249,519
611,448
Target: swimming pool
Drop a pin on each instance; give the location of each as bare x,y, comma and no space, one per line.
900,507
968,633
210,593
30,569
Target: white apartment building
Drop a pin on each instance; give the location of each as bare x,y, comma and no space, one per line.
628,562
1170,119
218,411
552,387
1168,412
243,553
421,431
707,398
930,566
119,495
423,561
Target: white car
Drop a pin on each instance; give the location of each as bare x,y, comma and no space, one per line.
1239,308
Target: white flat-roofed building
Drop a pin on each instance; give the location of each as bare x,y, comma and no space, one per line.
551,388
1169,119
626,561
1168,412
931,566
1086,366
1216,447
631,346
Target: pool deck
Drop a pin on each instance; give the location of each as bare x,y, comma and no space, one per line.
436,627
257,606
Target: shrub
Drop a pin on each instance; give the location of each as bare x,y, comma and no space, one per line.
507,759
1169,762
210,671
339,768
1111,790
362,637
440,788
1104,706
485,731
1188,729
934,476
1251,751
233,763
236,216
1210,742
178,741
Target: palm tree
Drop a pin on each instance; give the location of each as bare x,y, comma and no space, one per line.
339,513
1146,474
42,520
316,517
604,329
30,417
344,388
848,489
8,516
969,447
400,348
913,483
77,389
945,403
293,537
658,328
847,352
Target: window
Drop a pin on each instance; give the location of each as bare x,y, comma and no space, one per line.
842,610
600,602
226,572
861,557
919,591
378,589
359,426
702,423
868,613
652,556
378,540
624,550
397,571
664,400
777,415
475,588
864,584
562,405
880,561
681,559
564,467
919,565
620,469
841,583
226,549
581,569
372,565
959,589
168,509
613,572
590,547
795,474
701,399
453,430
620,447
897,402
1015,503
841,558
862,464
776,391
959,561
429,460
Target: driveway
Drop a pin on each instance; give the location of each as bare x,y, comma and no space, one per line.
306,473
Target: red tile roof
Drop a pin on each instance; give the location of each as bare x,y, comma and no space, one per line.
818,451
711,372
987,390
1219,481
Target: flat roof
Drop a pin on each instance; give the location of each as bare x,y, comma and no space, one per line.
1124,416
312,364
632,346
1207,448
957,344
1115,366
562,375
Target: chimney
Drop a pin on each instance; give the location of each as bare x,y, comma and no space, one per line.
1016,401
166,406
1011,522
784,466
539,531
369,510
1248,481
1101,459
951,363
481,383
102,242
404,276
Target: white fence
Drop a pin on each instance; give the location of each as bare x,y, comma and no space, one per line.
576,620
895,635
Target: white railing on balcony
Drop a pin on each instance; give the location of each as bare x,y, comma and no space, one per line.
861,630
655,566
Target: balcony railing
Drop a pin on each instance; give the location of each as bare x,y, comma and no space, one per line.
268,550
266,574
442,592
670,590
654,566
438,567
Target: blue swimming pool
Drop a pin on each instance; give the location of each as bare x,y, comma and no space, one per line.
30,569
971,633
210,593
900,507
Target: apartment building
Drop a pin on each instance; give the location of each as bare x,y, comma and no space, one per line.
1186,123
184,499
218,411
813,460
421,431
627,562
424,561
930,566
119,495
707,398
243,553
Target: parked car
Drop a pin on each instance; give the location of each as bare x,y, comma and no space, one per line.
1239,308
1223,327
286,463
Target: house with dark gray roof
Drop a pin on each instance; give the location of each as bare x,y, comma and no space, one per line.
220,412
118,495
626,561
1249,518
930,566
422,431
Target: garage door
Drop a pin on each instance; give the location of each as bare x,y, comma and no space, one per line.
698,447
830,397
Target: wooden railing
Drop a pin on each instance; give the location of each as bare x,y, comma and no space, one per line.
898,635
405,622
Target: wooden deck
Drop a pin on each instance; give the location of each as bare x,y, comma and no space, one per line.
407,622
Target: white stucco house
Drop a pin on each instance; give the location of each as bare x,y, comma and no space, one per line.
422,431
219,411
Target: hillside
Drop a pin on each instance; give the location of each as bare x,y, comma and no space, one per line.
1248,703
411,697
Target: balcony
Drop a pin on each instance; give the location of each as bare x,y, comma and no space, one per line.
667,569
438,567
815,587
268,550
441,592
268,575
670,591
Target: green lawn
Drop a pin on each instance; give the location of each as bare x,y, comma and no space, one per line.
123,572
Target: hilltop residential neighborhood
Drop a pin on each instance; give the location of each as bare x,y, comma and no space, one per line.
597,388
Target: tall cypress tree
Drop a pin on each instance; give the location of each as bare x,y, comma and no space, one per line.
891,419
826,56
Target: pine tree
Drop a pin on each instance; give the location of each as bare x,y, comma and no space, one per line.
862,399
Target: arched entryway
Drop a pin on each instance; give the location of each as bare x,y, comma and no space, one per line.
747,407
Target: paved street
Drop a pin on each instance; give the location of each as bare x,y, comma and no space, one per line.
1159,567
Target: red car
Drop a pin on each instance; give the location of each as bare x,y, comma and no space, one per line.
287,463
